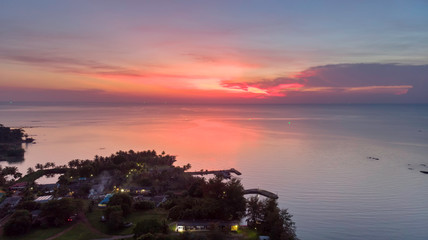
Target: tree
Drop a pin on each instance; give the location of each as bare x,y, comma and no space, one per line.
234,201
115,219
123,200
254,212
49,165
30,170
29,205
12,171
148,226
289,225
58,211
268,219
39,166
144,205
19,223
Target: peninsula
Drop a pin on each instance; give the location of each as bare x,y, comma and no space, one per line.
11,144
138,195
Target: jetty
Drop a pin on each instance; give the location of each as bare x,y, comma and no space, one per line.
261,192
223,173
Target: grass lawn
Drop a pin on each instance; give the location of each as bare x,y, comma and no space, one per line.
136,216
79,232
248,234
37,234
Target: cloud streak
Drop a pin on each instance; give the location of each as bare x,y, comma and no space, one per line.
341,81
68,64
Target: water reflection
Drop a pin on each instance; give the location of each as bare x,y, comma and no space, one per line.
317,164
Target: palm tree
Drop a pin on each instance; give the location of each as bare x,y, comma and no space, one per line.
39,166
30,170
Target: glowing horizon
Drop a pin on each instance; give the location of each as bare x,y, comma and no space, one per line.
228,52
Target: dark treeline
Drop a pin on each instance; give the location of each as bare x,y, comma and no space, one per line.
145,168
10,144
8,135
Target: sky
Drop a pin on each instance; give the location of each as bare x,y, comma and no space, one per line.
197,51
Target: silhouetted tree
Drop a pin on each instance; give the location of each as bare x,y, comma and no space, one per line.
19,223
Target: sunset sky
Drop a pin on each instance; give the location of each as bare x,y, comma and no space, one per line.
198,51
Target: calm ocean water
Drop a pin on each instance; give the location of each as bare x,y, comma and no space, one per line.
315,157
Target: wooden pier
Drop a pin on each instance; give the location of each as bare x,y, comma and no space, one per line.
261,192
223,173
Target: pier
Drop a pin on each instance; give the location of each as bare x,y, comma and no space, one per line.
223,173
227,174
261,192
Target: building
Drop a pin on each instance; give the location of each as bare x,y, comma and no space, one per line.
43,199
18,186
106,199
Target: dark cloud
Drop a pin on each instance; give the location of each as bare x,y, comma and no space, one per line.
365,82
365,74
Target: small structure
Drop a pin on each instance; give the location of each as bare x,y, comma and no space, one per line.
18,186
106,199
43,199
47,188
199,226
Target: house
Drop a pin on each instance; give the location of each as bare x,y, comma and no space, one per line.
106,199
47,188
43,199
206,225
18,186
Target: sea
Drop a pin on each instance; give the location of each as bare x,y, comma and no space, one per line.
342,171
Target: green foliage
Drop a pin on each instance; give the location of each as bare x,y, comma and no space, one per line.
28,205
20,223
57,211
115,220
8,171
149,226
150,236
254,212
215,199
269,220
123,200
216,235
79,232
111,209
144,205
